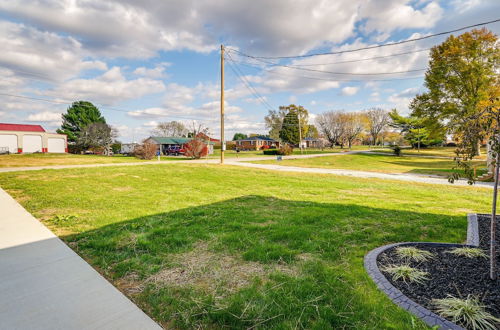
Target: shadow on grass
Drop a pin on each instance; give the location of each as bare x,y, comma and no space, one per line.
326,242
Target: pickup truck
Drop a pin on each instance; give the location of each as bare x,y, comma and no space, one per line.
175,150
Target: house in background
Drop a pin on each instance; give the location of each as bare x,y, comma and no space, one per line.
128,148
22,138
310,142
205,137
164,143
256,143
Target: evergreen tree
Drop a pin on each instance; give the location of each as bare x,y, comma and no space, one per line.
77,117
290,129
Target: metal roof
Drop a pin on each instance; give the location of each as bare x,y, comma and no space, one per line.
263,138
21,127
171,140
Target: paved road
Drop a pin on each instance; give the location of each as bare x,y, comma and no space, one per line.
45,285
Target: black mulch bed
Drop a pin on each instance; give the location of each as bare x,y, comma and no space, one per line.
450,274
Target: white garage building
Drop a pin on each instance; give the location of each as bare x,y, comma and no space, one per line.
21,138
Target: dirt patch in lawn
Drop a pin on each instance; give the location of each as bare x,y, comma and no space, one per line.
216,273
123,189
263,224
19,196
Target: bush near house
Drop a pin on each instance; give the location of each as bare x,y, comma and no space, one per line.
271,152
196,149
146,150
285,150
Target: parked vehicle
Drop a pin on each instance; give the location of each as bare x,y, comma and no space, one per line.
175,150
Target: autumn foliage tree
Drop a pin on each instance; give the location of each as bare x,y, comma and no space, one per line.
196,148
462,71
463,96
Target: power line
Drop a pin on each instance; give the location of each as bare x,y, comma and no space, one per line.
300,67
114,109
364,59
235,69
349,73
101,107
324,79
371,47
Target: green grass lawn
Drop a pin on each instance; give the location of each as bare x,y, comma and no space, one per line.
39,159
434,151
379,163
218,246
296,151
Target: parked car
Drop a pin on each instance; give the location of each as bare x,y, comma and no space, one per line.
175,150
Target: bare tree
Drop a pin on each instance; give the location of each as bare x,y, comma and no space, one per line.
378,120
274,122
197,129
97,137
353,123
171,128
332,126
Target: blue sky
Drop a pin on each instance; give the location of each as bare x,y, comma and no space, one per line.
143,62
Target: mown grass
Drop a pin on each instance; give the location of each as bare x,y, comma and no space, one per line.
304,237
45,159
307,151
434,151
380,163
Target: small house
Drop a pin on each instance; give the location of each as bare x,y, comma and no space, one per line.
256,143
164,143
310,142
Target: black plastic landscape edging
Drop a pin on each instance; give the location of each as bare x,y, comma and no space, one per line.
402,300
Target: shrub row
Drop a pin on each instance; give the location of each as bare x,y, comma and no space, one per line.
285,150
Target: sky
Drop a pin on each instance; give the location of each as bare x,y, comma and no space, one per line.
146,61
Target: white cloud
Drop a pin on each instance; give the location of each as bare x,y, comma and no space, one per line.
154,73
109,88
390,15
350,90
42,55
142,28
375,97
402,100
45,116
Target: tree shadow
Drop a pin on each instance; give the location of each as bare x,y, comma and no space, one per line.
325,241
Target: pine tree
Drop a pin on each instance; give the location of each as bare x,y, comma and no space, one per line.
77,117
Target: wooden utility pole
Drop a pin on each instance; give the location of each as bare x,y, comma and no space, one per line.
222,141
300,134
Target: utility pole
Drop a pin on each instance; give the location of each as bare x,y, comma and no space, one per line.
222,141
300,134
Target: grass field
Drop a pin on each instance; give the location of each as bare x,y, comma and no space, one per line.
45,159
435,151
379,163
217,246
296,151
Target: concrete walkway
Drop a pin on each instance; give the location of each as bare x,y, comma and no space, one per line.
361,174
45,285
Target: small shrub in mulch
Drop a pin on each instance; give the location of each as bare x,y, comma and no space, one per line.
457,277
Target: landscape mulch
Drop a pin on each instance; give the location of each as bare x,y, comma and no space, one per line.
449,274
